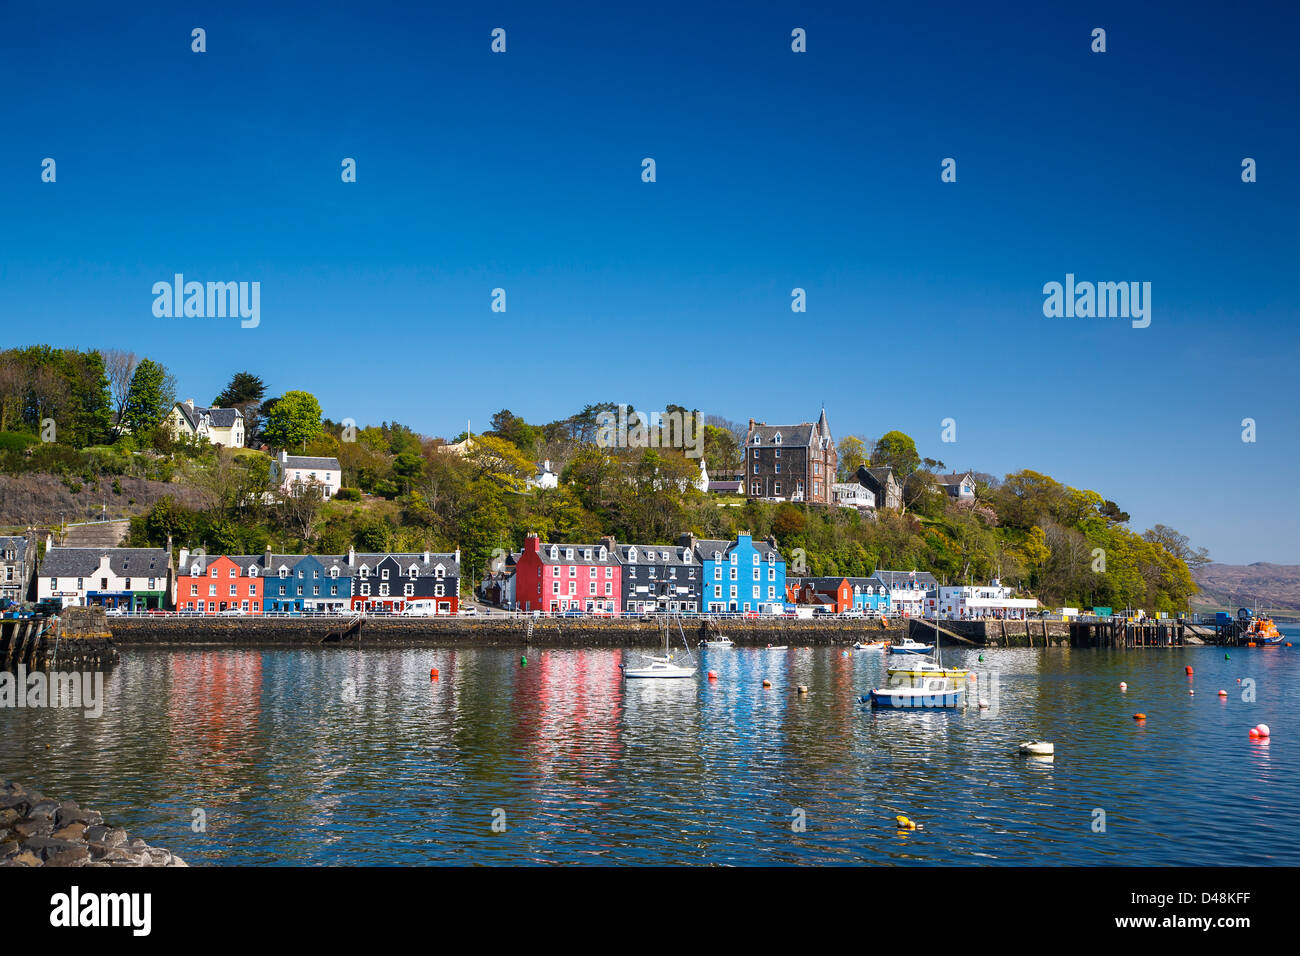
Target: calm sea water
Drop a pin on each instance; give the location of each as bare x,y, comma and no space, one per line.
357,757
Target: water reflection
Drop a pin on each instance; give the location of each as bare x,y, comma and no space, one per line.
359,756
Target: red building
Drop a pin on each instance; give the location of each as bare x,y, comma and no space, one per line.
834,593
212,585
566,577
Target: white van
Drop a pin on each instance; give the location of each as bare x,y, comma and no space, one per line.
421,609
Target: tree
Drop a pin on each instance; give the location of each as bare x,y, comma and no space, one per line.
119,368
149,399
293,421
852,456
898,451
1178,545
244,392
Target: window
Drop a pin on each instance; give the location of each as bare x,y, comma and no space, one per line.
438,590
194,590
776,488
234,573
252,570
252,590
383,590
573,570
384,576
408,589
212,590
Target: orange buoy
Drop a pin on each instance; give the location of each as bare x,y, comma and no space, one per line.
1262,730
766,682
713,675
1223,693
1250,643
1238,680
1189,670
433,673
1139,716
1254,734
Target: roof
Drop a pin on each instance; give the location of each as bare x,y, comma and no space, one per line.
676,554
123,562
898,579
727,486
217,417
302,461
798,435
579,550
17,543
404,559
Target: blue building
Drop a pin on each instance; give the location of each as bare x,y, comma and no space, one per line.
870,595
741,576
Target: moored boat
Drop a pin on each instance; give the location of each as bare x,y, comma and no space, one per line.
934,692
910,646
927,669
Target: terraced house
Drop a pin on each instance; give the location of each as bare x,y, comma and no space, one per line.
658,577
568,577
127,579
741,576
390,582
211,585
791,462
17,561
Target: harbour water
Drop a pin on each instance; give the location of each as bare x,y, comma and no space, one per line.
346,756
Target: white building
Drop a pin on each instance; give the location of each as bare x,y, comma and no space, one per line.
220,426
974,602
907,590
133,579
298,472
853,495
545,478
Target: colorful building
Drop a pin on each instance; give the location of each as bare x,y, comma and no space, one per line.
567,577
127,579
391,582
206,585
742,576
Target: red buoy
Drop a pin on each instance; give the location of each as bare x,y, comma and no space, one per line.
713,675
1223,693
1189,670
433,673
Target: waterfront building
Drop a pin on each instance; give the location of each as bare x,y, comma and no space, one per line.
292,580
298,472
741,575
791,462
976,602
833,593
551,576
657,577
207,585
906,589
389,582
223,427
17,563
130,579
884,486
870,595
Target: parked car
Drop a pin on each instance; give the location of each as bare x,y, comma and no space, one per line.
470,611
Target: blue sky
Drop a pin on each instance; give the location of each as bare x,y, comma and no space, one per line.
775,170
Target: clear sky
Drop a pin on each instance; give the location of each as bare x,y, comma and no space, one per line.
775,170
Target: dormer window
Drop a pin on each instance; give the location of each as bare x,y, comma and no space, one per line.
413,571
284,572
568,554
776,439
196,570
756,440
604,554
334,572
439,573
252,570
631,555
717,555
586,555
555,552
686,556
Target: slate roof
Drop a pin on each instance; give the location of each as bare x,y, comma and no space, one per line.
405,559
16,543
798,435
905,579
735,487
303,461
124,562
578,551
218,417
648,554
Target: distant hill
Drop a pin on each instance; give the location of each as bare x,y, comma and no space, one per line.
1275,587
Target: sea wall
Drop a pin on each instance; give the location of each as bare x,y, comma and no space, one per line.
490,631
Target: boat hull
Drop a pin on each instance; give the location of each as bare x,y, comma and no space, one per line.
922,649
915,698
643,673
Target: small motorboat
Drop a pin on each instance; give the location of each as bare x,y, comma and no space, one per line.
1038,748
719,642
910,646
935,692
778,647
869,646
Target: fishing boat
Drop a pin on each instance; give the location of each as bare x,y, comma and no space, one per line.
933,692
910,646
718,642
661,666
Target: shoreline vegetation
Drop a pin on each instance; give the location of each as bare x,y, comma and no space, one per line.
111,453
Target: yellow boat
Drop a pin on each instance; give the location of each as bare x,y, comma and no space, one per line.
927,669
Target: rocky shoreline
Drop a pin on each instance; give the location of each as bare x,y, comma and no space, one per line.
36,830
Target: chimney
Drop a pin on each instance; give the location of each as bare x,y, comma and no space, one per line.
49,541
751,425
609,542
266,557
189,402
352,556
426,555
686,540
458,555
184,558
533,543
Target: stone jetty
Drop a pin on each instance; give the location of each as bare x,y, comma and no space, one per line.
36,830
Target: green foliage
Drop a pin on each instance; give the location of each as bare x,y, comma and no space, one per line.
898,451
293,421
149,399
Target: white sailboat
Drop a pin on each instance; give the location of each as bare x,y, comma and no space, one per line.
661,667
